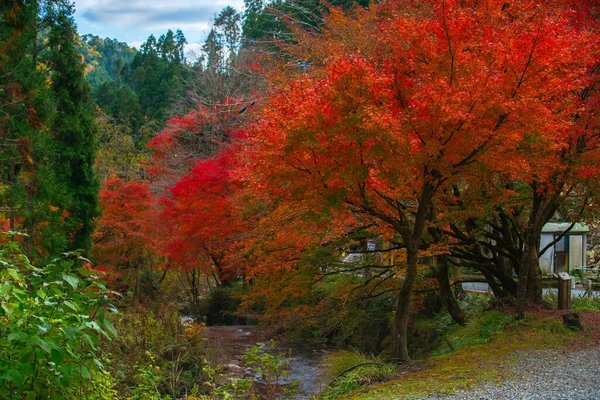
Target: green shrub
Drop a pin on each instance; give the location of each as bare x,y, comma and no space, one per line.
52,319
474,304
222,305
350,370
586,304
102,386
156,354
479,330
269,370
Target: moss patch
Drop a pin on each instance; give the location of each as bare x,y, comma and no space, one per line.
475,364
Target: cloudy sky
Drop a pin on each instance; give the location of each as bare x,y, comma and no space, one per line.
132,21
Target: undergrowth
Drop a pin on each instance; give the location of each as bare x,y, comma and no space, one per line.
577,303
475,363
586,304
480,330
350,370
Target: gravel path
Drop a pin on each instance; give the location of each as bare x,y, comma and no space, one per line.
549,374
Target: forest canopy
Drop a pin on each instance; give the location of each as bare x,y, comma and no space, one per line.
317,166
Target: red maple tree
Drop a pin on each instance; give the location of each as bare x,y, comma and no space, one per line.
406,99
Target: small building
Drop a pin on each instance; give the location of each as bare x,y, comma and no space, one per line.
566,254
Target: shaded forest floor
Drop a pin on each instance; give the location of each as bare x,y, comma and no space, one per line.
540,340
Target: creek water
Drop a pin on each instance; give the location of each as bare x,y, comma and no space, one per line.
226,346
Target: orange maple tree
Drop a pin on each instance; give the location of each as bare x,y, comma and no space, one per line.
204,222
127,239
406,99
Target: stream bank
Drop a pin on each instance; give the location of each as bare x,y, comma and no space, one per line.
226,346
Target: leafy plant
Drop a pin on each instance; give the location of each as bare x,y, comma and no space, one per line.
271,372
156,354
350,370
478,331
586,304
52,319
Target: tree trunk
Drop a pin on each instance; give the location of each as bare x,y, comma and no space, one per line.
403,307
446,293
530,257
534,282
412,239
498,289
508,283
530,276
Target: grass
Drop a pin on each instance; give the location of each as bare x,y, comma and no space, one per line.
479,331
473,364
586,304
350,370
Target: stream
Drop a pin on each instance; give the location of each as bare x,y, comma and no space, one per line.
226,346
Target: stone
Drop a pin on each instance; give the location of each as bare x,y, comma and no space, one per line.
572,321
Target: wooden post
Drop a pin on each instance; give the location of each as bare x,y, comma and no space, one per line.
589,288
564,291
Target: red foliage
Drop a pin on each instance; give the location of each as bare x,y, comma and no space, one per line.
125,234
407,99
203,220
199,134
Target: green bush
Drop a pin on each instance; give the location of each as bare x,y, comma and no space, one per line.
350,370
586,304
156,354
479,330
52,319
269,370
222,305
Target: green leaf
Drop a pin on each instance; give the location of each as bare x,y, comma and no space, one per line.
67,370
17,376
93,325
90,340
57,356
15,336
71,305
43,345
14,273
71,280
44,327
71,333
85,372
110,327
7,310
27,358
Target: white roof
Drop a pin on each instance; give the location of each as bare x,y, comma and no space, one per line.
553,227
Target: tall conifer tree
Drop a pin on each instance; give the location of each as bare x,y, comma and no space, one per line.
74,132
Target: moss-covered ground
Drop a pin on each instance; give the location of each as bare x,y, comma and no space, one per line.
473,365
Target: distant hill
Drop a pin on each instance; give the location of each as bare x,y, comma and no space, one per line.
104,58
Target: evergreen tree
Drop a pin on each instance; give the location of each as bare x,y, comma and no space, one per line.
107,60
228,25
268,20
157,71
24,109
73,132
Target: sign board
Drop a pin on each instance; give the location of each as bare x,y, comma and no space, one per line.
564,276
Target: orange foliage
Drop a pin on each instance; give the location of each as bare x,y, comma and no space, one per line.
126,234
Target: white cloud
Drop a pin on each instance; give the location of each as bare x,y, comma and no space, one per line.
136,44
192,51
148,14
133,20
